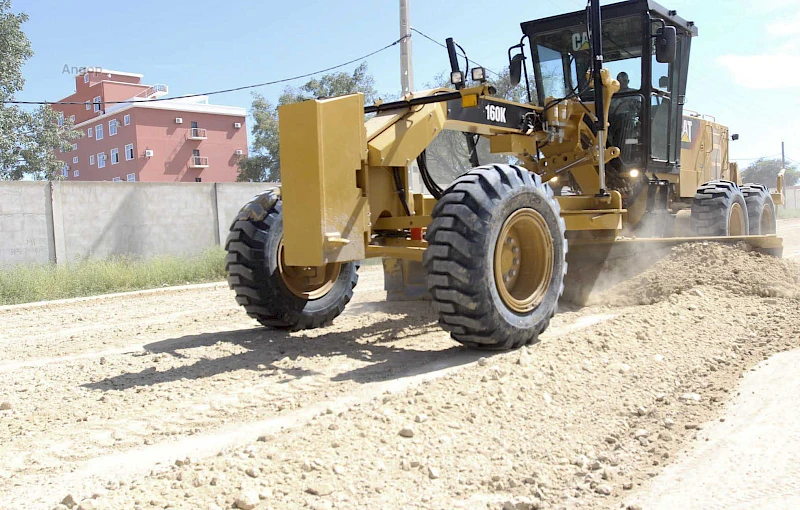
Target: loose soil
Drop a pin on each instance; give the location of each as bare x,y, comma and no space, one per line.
177,399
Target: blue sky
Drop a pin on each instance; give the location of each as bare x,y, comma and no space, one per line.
745,67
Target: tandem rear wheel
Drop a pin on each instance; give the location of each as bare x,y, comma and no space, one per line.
719,209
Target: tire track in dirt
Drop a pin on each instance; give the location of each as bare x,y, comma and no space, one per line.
88,473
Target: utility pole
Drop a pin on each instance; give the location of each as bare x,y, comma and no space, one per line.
783,167
406,67
783,155
407,83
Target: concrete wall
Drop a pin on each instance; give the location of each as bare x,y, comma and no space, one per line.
230,199
26,228
793,197
69,221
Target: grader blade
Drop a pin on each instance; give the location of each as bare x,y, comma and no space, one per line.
597,265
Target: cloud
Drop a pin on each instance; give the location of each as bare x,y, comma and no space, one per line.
778,67
772,5
784,27
764,72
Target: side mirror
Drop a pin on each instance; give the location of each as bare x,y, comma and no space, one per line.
734,137
515,69
663,82
666,44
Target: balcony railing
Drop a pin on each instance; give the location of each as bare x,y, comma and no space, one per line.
156,90
197,134
153,92
198,162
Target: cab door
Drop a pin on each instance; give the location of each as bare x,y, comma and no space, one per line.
663,111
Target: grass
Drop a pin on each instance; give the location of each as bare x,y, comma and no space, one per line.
784,213
30,283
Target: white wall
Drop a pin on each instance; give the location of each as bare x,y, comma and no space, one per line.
68,221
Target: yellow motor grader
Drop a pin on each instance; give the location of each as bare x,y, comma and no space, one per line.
604,124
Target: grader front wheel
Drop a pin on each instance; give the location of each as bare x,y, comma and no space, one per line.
276,294
496,257
523,260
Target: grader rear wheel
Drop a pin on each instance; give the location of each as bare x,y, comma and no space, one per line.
719,209
495,257
276,294
760,209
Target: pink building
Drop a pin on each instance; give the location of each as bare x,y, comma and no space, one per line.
178,140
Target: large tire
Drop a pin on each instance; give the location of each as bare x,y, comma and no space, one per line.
464,245
719,209
760,209
262,283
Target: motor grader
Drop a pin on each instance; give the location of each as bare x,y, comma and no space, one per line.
605,124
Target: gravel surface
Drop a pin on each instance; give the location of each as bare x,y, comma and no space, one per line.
177,400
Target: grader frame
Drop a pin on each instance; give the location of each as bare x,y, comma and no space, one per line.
340,198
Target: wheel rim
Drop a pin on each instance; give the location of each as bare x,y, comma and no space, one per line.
736,221
308,282
767,220
523,260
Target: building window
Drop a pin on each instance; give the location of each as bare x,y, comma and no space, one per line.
129,152
74,160
74,146
88,105
86,79
60,119
112,127
90,132
97,103
116,179
72,119
64,172
91,159
76,173
126,119
131,177
101,160
98,132
114,156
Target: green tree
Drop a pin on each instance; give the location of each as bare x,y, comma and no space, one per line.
28,138
765,171
263,163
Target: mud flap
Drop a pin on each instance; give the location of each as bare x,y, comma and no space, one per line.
405,280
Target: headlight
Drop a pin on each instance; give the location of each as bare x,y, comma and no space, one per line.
456,77
478,74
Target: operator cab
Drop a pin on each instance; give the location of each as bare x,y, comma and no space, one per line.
645,115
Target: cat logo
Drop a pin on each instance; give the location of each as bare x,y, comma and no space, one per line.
580,42
686,134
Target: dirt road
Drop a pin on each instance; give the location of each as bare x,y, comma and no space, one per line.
104,399
750,457
790,230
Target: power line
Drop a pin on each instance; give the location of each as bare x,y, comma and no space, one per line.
245,87
753,159
445,47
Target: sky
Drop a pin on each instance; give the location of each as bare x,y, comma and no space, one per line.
744,70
